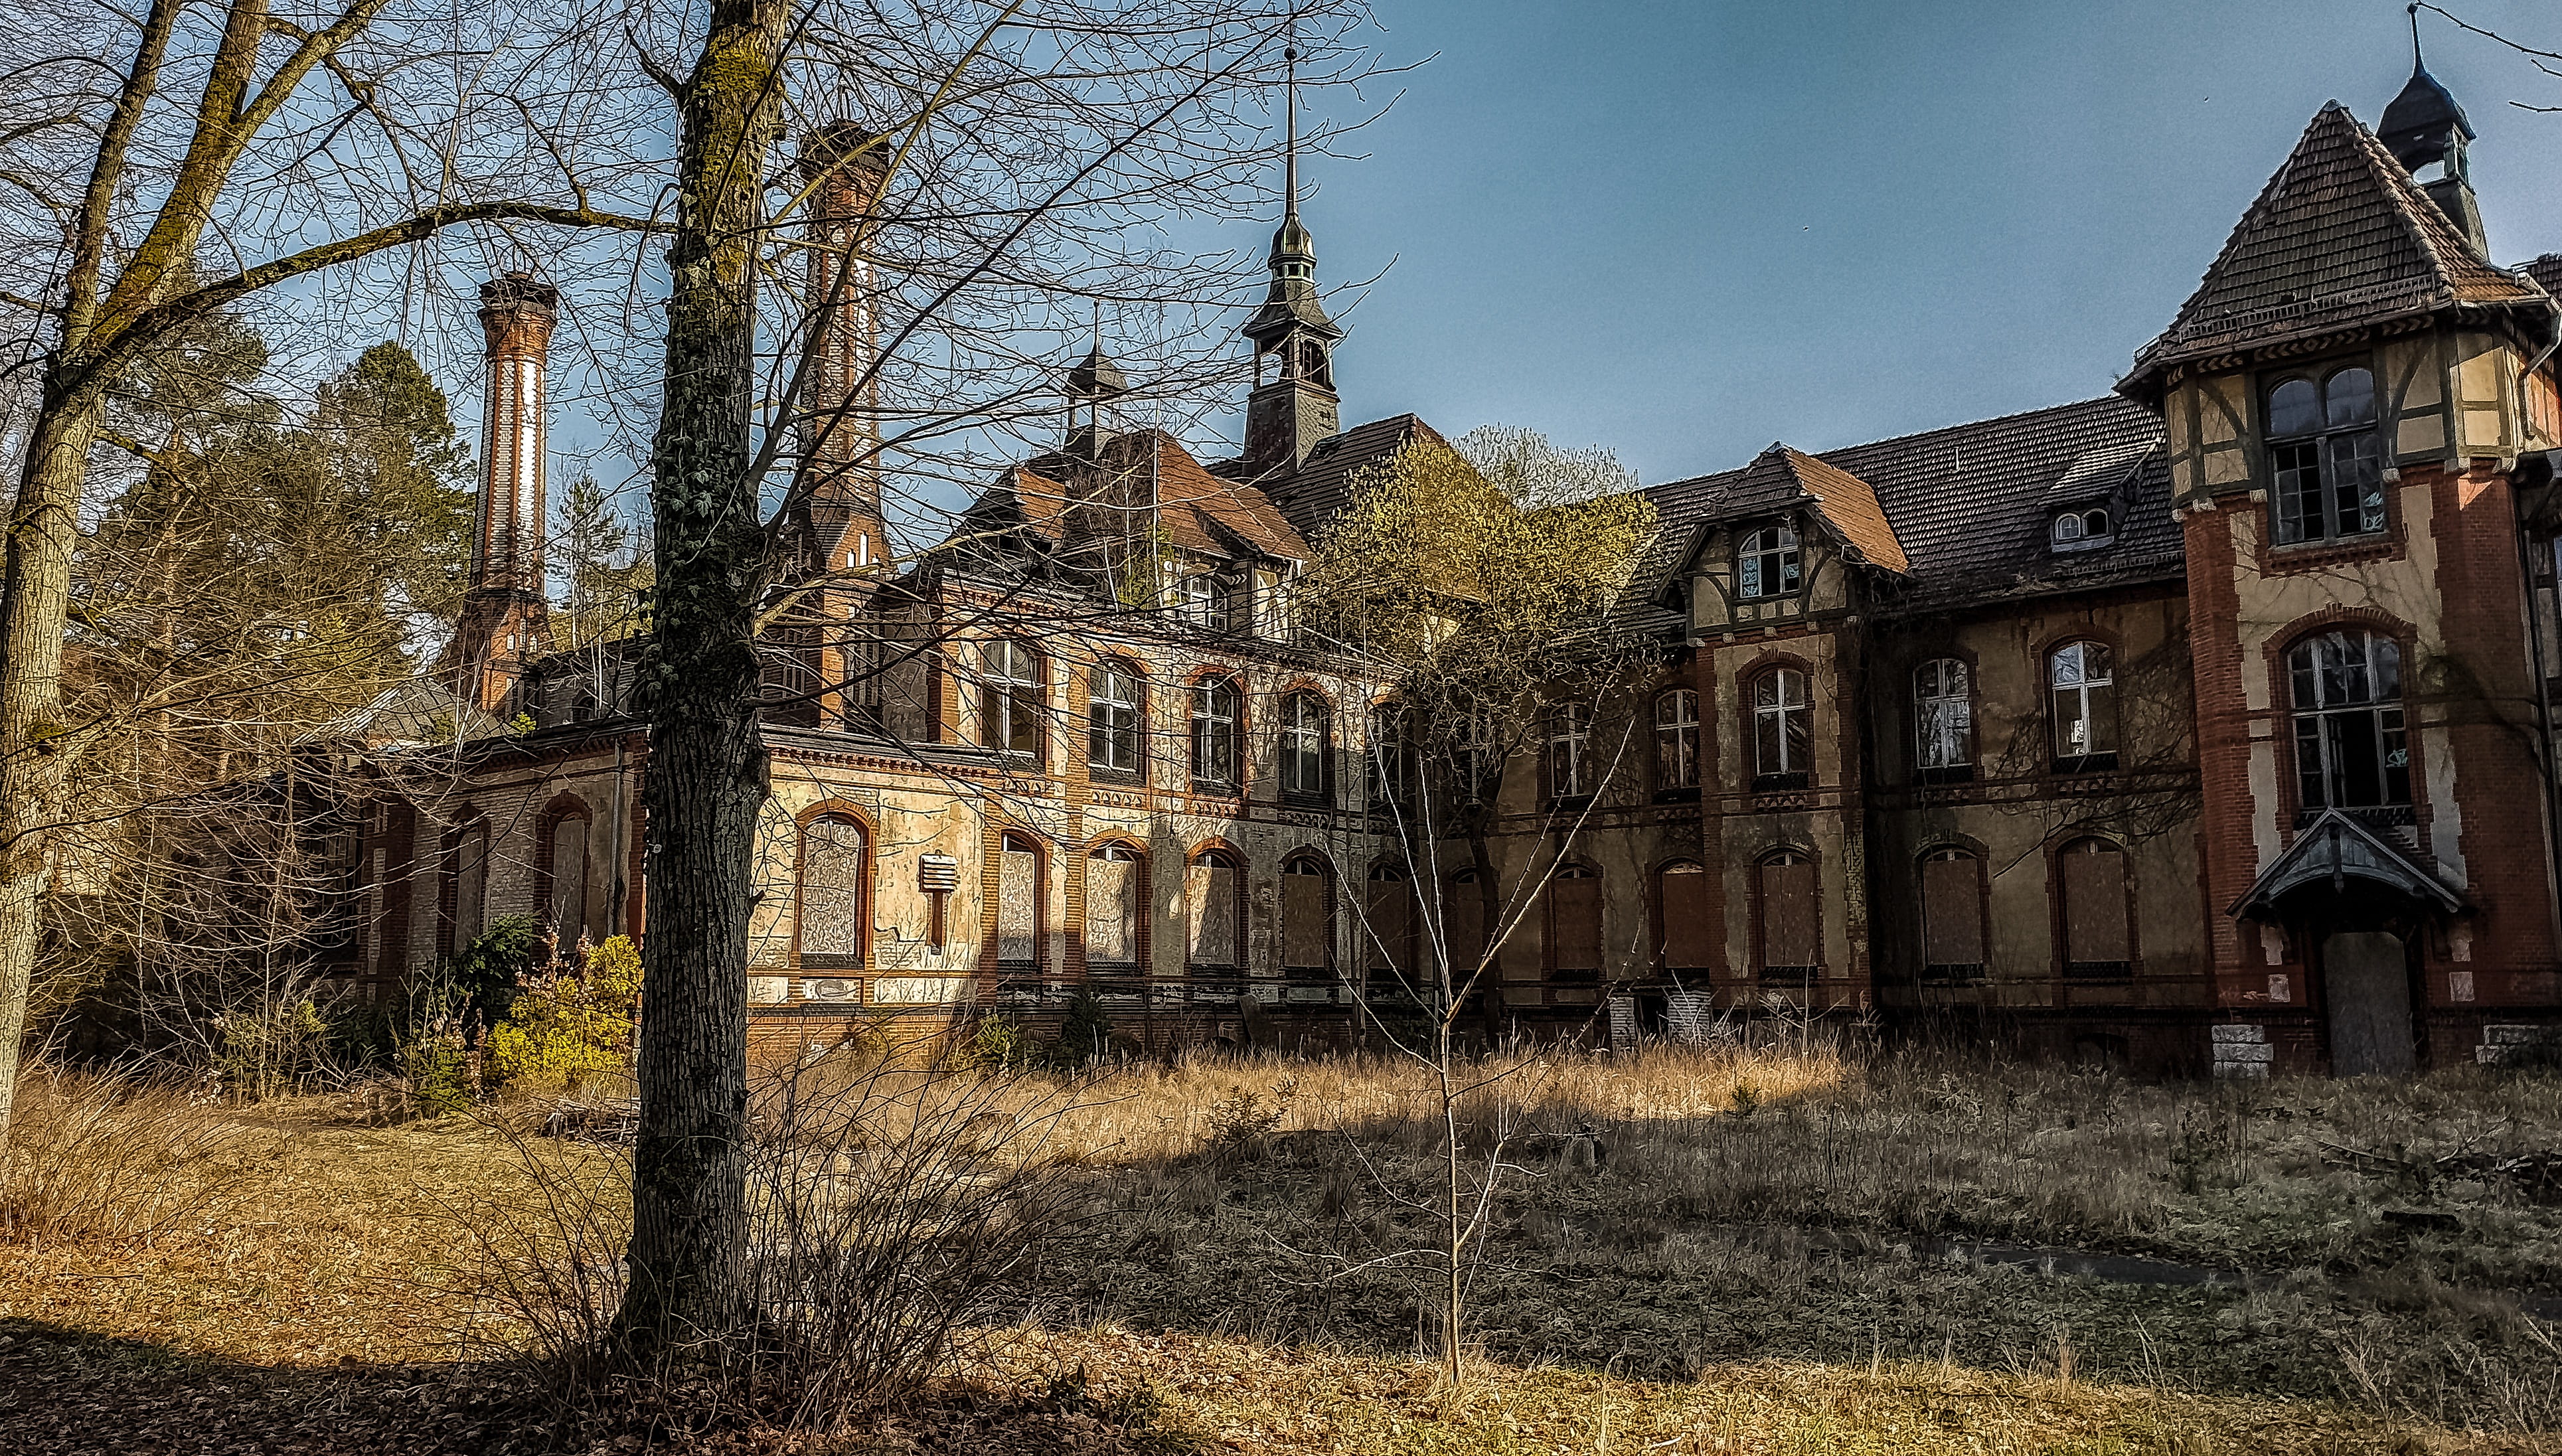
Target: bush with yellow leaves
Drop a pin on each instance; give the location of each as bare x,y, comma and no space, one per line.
569,1025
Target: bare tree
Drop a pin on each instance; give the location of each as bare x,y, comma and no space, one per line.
223,151
1482,585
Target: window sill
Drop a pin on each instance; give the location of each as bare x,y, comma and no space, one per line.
1687,795
1306,800
1120,778
2086,765
2308,555
824,960
2098,973
1574,978
1782,783
1949,774
1208,790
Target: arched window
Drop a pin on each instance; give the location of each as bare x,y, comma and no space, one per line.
1018,903
1782,730
1388,764
1952,918
2082,526
2350,750
1575,923
1112,718
1207,601
2084,686
1215,728
1389,934
1011,697
1944,721
566,871
836,886
1676,740
1115,907
1685,942
2097,933
1307,746
2324,453
1791,926
1307,918
1215,900
468,867
1766,562
1569,750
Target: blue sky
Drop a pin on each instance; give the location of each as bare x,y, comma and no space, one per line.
1683,230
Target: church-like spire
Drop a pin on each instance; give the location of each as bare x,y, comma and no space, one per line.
2425,126
1294,405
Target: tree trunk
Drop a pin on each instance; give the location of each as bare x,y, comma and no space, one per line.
707,765
36,746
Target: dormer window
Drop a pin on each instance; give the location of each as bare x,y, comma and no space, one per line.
1765,564
2083,527
2323,457
1205,600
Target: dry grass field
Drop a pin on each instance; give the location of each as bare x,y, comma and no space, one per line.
1729,1250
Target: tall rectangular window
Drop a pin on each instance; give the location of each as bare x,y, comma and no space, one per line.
1791,924
2097,942
1944,720
1111,720
1677,739
1011,697
1952,918
1782,730
2325,457
1019,896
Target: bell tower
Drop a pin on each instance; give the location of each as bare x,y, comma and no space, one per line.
505,621
1293,404
2423,126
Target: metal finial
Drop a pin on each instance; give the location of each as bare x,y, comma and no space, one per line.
1290,123
2415,67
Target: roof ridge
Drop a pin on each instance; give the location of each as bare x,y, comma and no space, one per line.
1909,435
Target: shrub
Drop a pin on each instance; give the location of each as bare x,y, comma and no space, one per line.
997,1045
566,1028
263,1050
485,973
1085,1033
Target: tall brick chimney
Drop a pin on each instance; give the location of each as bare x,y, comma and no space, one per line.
843,166
505,621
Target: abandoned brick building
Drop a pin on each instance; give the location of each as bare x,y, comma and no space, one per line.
2204,725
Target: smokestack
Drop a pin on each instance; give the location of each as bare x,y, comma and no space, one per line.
517,313
844,167
505,621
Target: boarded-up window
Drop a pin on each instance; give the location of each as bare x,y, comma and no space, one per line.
1390,932
1019,891
1466,913
832,889
1307,931
1210,895
1681,900
569,879
1112,908
1791,927
471,884
1952,916
2095,942
1575,922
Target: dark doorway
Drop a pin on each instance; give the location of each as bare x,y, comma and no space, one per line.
2366,986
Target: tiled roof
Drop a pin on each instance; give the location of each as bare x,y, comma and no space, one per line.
2546,271
1966,505
2341,235
1198,510
1781,477
1311,494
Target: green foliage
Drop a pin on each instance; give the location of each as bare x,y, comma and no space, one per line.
484,976
1085,1033
521,724
609,573
568,1027
996,1043
438,1068
264,1051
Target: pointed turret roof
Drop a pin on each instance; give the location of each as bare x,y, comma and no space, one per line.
2341,236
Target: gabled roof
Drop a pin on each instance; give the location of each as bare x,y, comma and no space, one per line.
2341,236
2337,849
416,711
1311,494
1198,511
1967,503
1781,477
